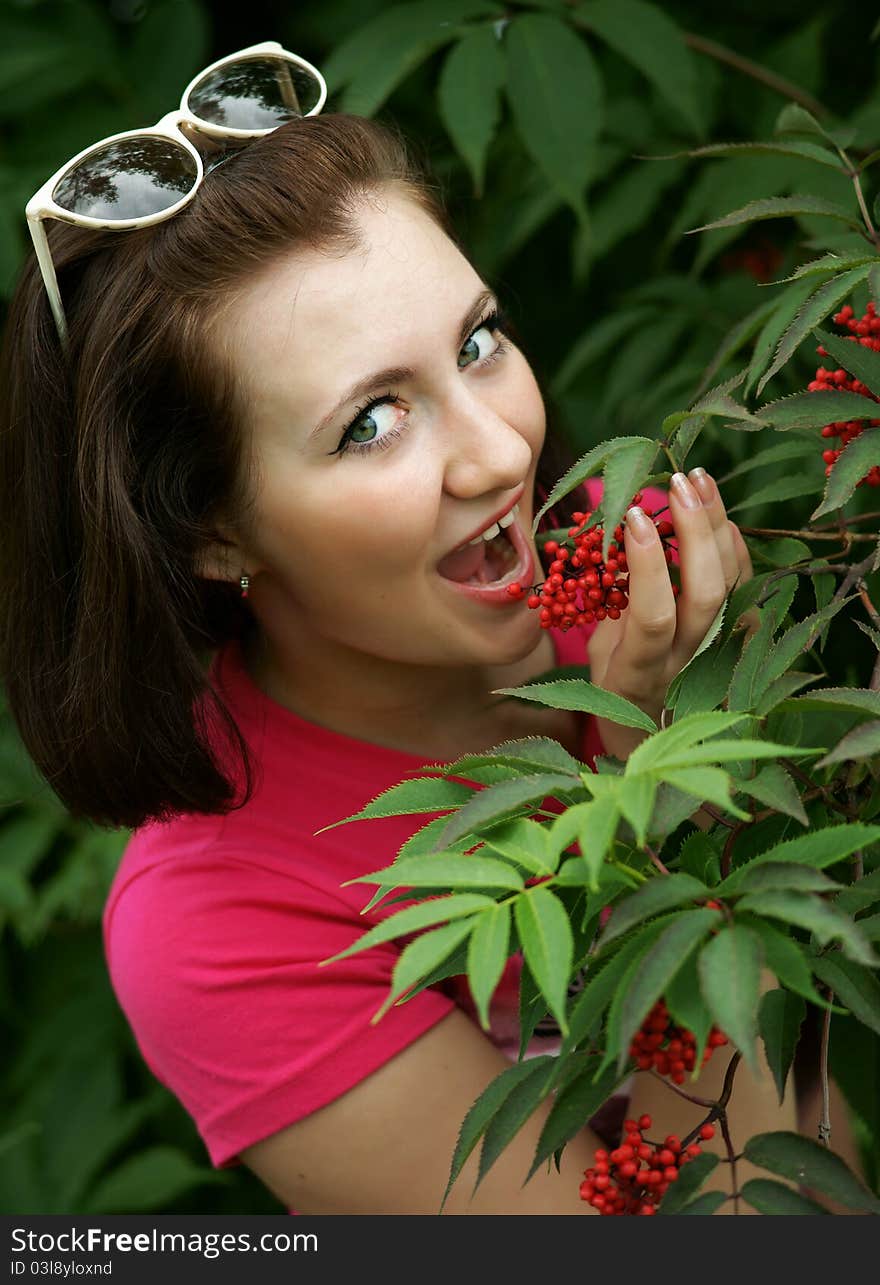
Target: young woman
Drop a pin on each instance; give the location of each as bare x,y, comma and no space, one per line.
300,387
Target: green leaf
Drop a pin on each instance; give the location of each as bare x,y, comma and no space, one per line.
861,699
485,1108
853,985
430,794
555,94
774,787
524,842
685,1001
783,687
787,449
527,754
859,895
653,898
815,309
597,823
698,856
783,488
815,410
825,264
861,743
635,798
517,1108
707,785
545,933
624,473
794,642
651,41
781,207
806,151
449,869
703,683
730,976
806,1162
747,684
786,960
578,694
648,977
788,305
499,802
783,876
819,848
415,917
150,1180
862,363
468,97
855,461
770,1197
730,751
691,1177
420,956
779,1019
602,983
709,1203
684,733
383,51
487,956
573,1107
825,922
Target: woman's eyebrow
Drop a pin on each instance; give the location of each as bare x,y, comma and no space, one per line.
397,374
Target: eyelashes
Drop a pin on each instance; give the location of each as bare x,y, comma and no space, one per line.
496,321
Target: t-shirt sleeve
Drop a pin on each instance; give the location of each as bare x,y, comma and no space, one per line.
215,964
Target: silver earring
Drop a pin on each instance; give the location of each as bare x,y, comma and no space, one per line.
245,582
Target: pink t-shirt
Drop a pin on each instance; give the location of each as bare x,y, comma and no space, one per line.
214,927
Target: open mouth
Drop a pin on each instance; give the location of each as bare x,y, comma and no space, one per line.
488,562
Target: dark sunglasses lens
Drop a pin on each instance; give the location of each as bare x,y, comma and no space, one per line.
257,93
128,179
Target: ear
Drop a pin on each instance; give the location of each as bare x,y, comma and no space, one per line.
223,558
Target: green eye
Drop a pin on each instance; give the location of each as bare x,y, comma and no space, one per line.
471,350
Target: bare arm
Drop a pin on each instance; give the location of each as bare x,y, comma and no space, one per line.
386,1146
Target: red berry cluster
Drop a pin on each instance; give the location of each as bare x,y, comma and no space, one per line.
593,587
634,1177
865,331
667,1048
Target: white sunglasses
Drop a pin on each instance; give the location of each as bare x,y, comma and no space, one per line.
143,176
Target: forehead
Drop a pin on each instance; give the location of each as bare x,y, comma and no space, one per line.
328,318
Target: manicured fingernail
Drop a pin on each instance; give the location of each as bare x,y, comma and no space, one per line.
703,484
641,525
685,492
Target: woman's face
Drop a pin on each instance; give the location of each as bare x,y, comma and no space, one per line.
391,422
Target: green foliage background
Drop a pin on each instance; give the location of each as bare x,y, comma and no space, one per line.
621,314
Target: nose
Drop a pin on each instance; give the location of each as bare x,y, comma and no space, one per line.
485,453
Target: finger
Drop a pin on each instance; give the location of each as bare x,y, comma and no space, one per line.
708,492
638,664
703,586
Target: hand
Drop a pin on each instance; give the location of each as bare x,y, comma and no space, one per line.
638,655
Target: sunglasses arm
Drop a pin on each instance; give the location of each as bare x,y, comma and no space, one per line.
37,229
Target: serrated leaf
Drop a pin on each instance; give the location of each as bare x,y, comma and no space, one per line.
783,488
419,957
546,937
555,94
774,787
783,876
635,799
487,956
806,1162
782,688
730,974
624,473
826,263
781,207
683,734
573,1107
806,151
691,1177
685,1002
707,785
862,363
859,895
729,751
786,960
484,1109
794,642
518,1107
815,410
819,848
654,897
645,36
790,448
861,699
703,684
449,869
855,461
650,974
788,305
413,918
779,1019
601,984
815,309
853,985
862,742
430,794
770,1197
525,843
578,694
526,754
501,801
598,822
468,97
708,1203
809,912
746,683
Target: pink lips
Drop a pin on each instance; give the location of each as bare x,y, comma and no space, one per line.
497,595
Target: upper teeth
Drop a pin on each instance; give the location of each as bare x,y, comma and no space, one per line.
491,532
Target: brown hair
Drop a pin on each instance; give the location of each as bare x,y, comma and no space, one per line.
116,459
